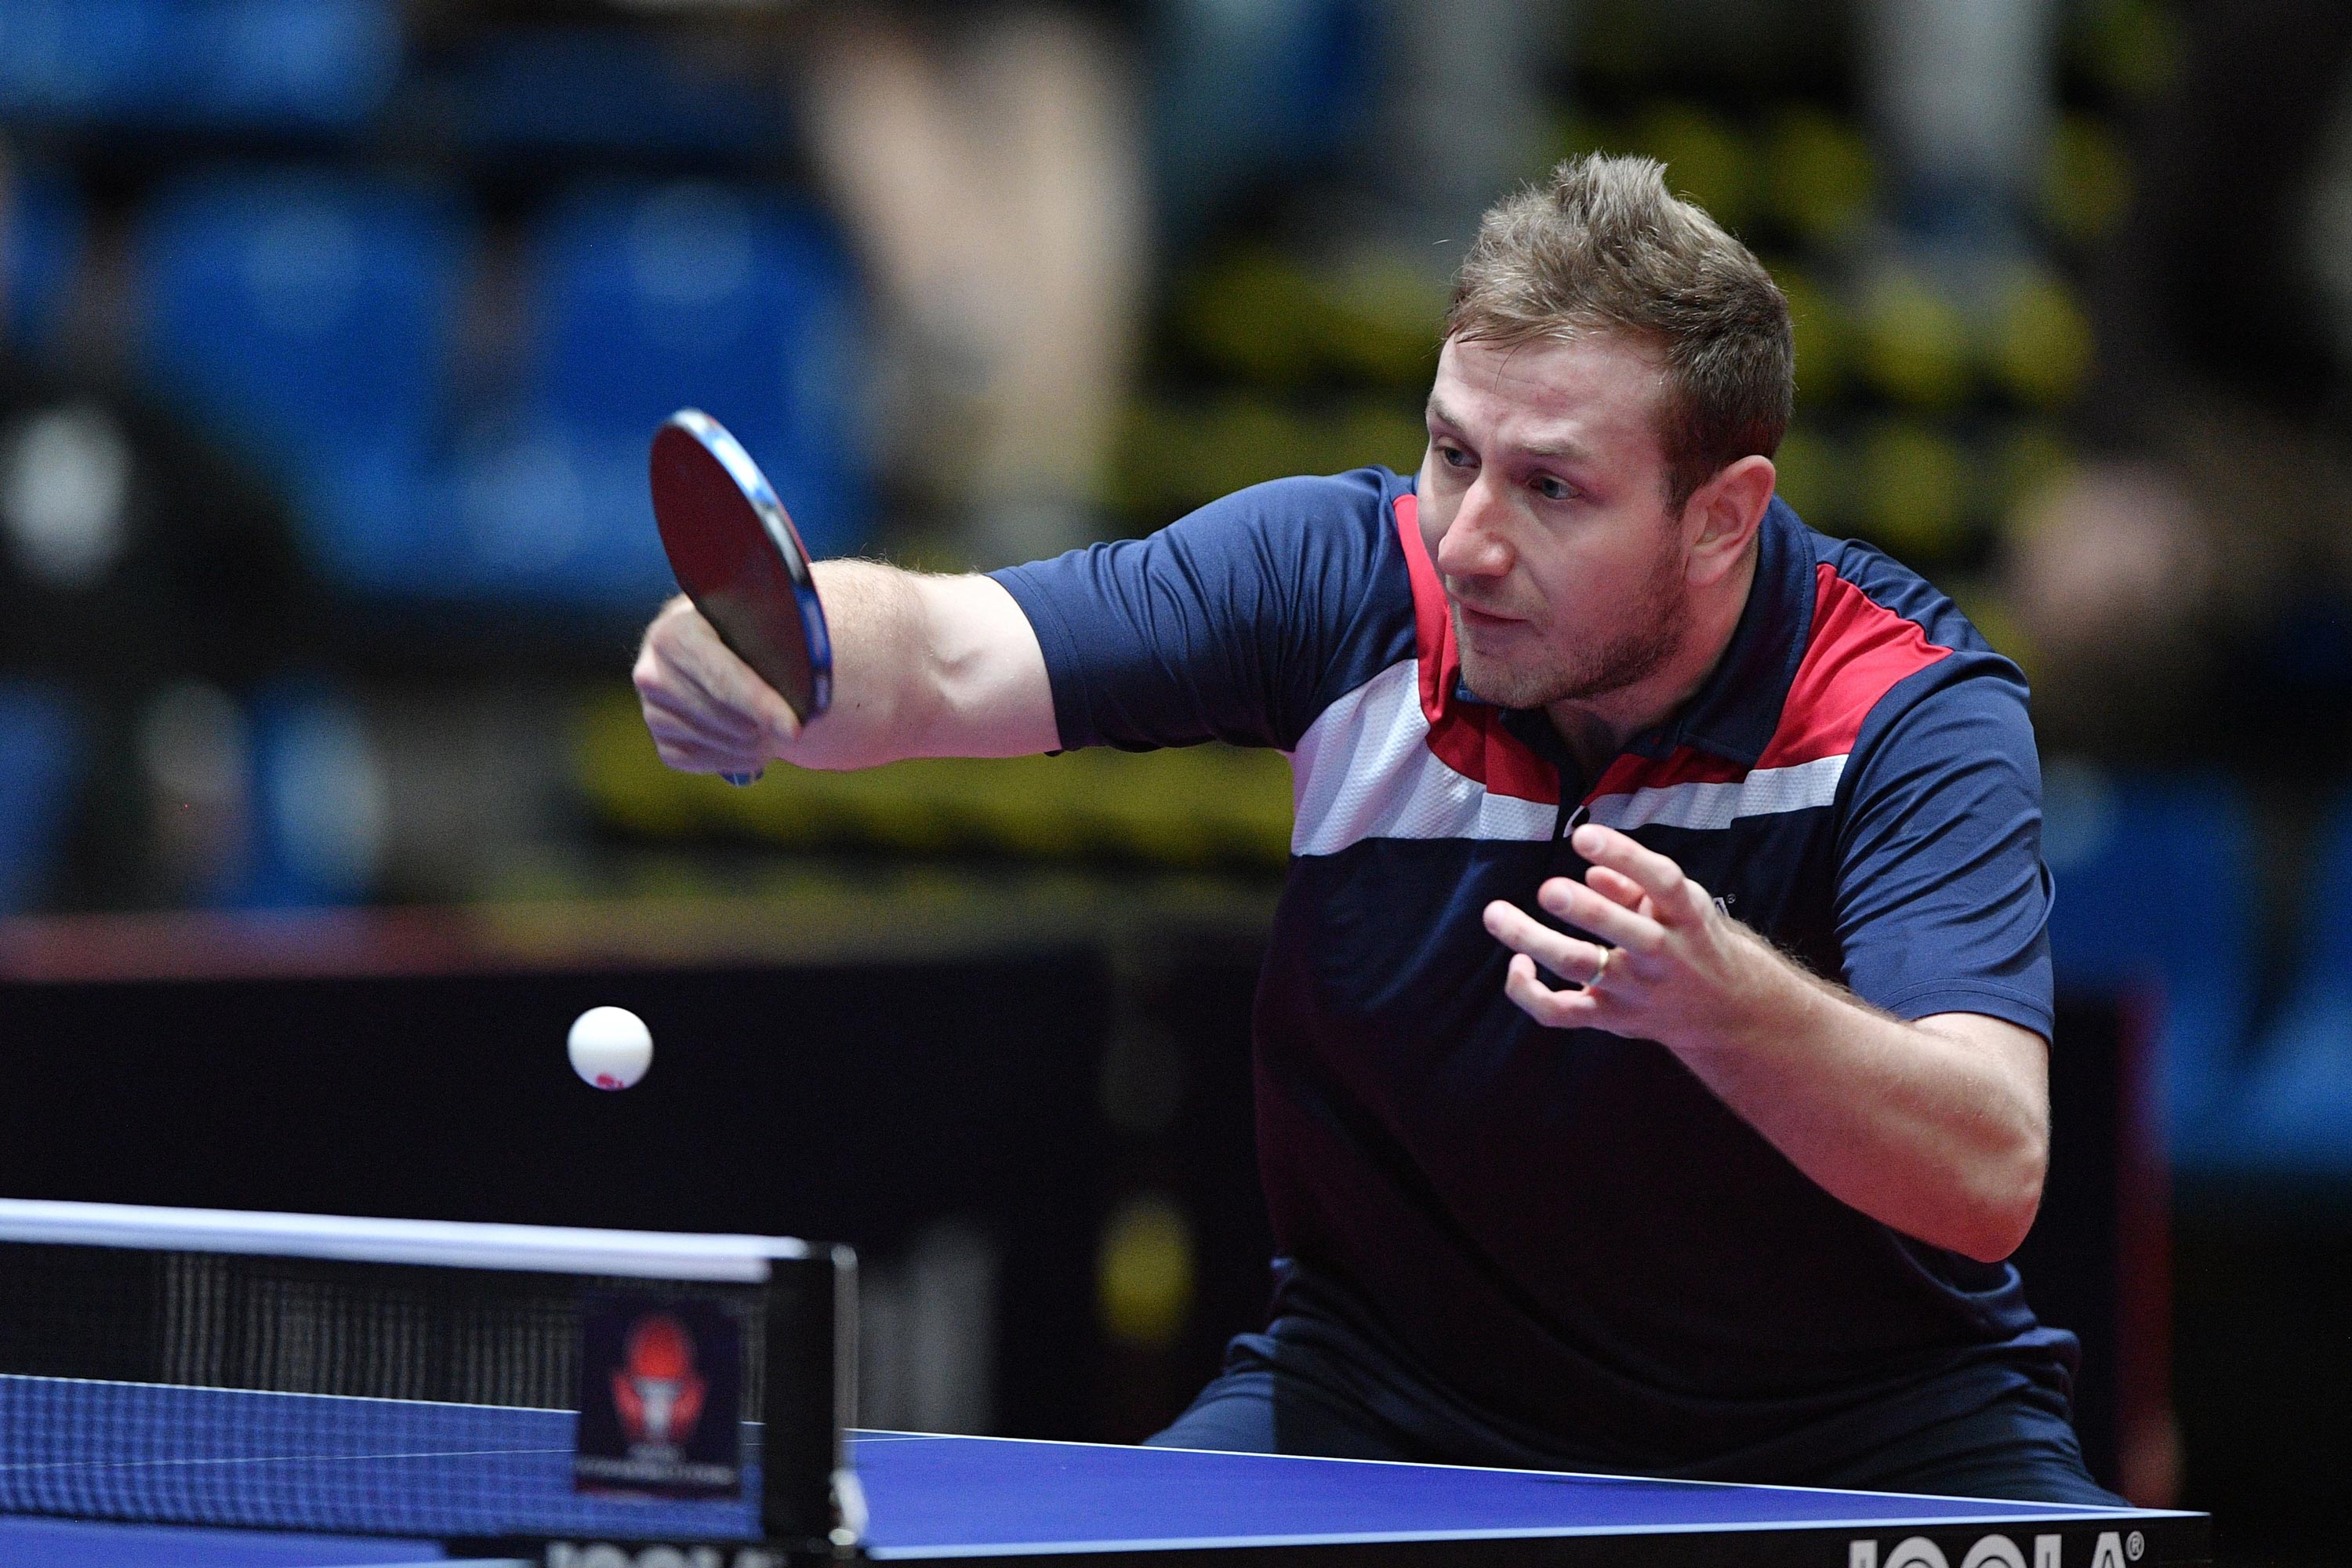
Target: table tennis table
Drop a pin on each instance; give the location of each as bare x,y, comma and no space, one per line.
468,1475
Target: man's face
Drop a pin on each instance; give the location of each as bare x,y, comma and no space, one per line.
1543,501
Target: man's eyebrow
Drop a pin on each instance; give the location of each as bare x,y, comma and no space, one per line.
1565,448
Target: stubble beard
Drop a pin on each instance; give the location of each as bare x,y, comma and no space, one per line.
1638,646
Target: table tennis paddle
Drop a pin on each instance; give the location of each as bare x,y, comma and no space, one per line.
735,553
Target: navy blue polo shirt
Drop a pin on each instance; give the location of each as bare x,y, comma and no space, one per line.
1562,1240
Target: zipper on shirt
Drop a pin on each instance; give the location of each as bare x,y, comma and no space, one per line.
1569,818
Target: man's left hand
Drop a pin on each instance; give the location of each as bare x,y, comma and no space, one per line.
1677,970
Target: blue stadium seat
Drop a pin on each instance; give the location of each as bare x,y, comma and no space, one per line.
2295,1111
2156,902
1243,93
288,65
85,60
603,89
248,65
41,243
41,751
645,302
307,318
318,804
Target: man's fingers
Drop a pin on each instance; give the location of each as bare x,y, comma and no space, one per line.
1555,1009
731,684
692,754
681,668
687,712
706,760
1614,886
1580,907
1564,955
1653,873
687,670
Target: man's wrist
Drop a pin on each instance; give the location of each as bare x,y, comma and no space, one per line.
1767,1004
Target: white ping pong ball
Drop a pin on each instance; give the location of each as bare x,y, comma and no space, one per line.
610,1047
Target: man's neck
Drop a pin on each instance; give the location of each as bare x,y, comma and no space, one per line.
1597,729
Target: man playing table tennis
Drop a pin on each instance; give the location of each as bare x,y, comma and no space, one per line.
1652,1047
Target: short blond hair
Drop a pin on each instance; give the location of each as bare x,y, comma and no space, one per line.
1604,245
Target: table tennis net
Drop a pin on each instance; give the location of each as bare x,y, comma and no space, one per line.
327,1393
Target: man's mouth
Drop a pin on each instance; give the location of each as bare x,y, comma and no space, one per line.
1482,619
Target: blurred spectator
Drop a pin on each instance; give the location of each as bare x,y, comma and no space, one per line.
1441,163
2111,579
2192,610
988,160
2208,287
133,560
133,552
2220,355
1964,96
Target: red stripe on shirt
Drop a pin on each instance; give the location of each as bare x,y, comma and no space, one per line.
1858,650
1684,764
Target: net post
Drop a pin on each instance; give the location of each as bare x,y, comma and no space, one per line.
809,1501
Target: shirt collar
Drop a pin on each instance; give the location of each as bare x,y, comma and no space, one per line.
1735,710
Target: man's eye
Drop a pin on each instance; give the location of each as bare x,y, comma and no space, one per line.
1454,457
1554,490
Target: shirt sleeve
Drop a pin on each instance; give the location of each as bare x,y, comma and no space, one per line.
1218,626
1942,902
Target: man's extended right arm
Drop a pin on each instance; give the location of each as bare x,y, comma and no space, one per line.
922,666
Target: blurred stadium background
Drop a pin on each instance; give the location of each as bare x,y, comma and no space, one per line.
332,331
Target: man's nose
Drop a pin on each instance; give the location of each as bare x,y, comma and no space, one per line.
1473,544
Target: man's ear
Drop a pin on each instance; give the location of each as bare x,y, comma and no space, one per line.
1728,508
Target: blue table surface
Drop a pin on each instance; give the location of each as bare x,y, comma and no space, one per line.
932,1496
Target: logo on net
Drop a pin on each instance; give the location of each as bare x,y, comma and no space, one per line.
657,1391
615,1554
660,1397
2111,1549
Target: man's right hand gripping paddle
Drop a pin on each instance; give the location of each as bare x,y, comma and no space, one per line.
737,555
